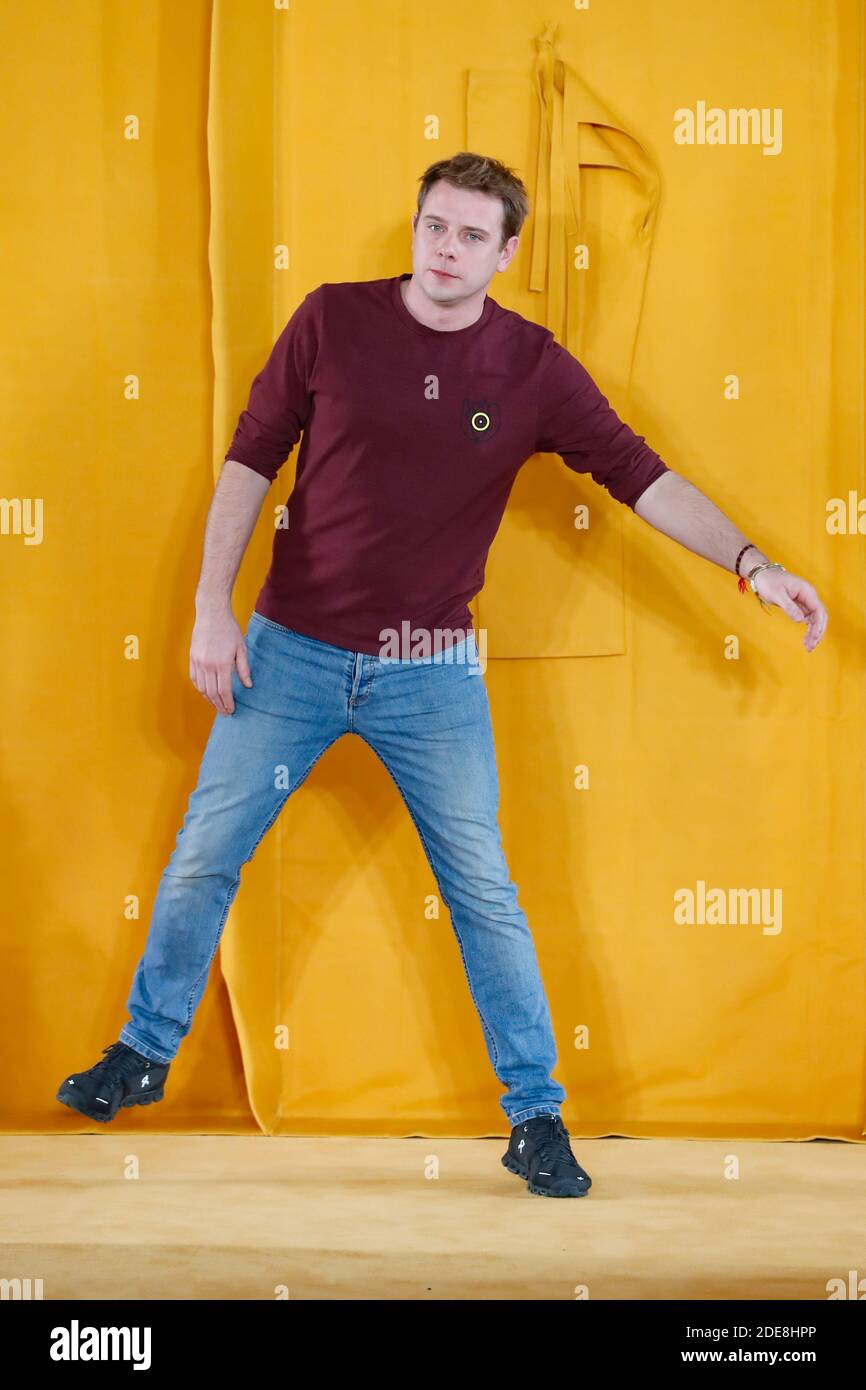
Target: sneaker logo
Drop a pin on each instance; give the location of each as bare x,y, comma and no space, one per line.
71,1081
145,1079
102,1102
520,1145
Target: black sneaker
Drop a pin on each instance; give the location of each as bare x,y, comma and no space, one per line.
539,1152
121,1079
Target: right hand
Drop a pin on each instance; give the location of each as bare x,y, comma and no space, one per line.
217,644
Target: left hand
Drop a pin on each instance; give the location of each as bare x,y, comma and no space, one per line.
797,598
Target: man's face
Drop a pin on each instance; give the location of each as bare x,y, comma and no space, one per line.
456,244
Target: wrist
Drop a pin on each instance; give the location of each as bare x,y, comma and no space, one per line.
748,560
747,569
206,605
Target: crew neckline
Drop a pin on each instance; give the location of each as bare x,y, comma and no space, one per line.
424,329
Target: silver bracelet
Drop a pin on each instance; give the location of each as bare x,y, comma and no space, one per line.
766,565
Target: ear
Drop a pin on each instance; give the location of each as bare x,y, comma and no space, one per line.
508,252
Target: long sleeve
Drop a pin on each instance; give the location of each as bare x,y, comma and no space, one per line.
280,397
576,421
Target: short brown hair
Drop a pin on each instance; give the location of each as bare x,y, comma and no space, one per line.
468,170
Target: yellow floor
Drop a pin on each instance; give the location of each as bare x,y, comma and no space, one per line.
241,1217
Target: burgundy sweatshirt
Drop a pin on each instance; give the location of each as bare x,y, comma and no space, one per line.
412,439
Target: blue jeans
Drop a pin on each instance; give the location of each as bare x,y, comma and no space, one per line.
428,719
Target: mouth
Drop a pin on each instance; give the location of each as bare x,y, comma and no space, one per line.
443,274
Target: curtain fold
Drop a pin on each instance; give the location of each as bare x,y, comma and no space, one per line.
555,588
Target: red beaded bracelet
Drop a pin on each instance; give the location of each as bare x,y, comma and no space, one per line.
750,545
745,582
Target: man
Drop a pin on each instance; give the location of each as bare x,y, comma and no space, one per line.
419,399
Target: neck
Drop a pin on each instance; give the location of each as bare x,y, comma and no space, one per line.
447,317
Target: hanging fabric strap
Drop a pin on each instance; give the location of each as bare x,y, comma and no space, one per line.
575,129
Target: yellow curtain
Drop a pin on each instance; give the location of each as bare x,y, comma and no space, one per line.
279,147
108,417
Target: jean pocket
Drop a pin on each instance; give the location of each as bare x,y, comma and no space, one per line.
269,622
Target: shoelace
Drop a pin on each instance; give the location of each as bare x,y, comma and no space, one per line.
553,1147
116,1066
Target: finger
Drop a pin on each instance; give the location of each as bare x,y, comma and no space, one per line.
813,638
818,618
224,683
810,603
243,664
213,692
206,689
225,703
822,626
